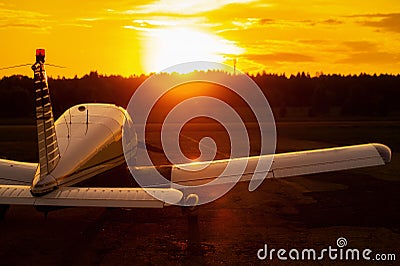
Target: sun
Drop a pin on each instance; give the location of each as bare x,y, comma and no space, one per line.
166,47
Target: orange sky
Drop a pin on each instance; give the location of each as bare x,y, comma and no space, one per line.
132,37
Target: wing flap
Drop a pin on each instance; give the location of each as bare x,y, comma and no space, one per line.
91,197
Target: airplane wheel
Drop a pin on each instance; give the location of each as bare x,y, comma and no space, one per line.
3,211
190,211
191,208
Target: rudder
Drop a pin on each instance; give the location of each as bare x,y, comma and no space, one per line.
49,154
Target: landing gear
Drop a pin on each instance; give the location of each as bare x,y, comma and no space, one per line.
190,211
46,209
191,208
3,211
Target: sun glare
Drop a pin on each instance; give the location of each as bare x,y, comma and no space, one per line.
170,46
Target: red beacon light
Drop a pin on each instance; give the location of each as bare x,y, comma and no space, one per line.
40,55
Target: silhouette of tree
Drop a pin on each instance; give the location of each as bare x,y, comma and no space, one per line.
353,95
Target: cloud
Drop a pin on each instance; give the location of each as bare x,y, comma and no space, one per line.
10,18
332,21
279,57
265,21
186,7
77,25
371,58
8,14
263,25
90,19
19,25
155,22
358,46
245,23
313,41
385,22
328,22
253,22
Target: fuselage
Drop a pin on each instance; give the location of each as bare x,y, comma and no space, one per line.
89,137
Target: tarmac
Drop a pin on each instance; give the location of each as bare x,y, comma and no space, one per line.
307,212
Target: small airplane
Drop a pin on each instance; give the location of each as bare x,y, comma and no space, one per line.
87,140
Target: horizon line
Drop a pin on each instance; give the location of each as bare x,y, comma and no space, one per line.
262,73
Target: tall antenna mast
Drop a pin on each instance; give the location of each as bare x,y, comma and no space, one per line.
234,65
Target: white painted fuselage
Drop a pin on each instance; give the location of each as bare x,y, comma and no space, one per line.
89,137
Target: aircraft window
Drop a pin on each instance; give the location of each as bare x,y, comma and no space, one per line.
81,108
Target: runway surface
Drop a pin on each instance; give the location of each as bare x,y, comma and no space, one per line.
301,212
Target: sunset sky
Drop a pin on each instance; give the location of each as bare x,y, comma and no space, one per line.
133,37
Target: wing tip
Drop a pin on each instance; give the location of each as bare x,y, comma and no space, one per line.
384,151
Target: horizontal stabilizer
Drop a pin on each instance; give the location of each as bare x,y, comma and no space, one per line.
91,197
283,164
17,173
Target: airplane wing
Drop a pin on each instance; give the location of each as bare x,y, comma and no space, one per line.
17,173
284,164
16,179
91,197
13,174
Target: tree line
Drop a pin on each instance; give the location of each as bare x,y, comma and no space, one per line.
336,95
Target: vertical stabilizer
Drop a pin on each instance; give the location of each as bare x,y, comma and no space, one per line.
47,140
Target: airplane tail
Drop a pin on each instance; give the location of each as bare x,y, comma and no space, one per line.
49,154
